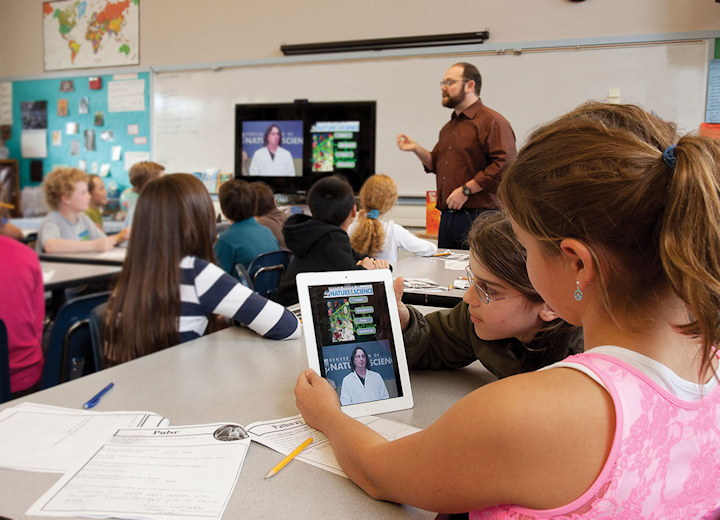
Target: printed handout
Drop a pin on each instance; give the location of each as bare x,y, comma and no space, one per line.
35,437
186,472
284,435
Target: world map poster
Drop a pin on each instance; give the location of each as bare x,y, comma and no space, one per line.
91,33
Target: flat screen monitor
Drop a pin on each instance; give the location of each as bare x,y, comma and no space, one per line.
291,145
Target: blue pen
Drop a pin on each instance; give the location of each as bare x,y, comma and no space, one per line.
96,398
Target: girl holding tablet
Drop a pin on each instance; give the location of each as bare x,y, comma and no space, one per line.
619,219
169,287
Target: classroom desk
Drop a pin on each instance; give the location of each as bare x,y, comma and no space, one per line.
235,375
433,268
115,256
66,275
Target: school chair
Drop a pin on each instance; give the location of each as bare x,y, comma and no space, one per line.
266,269
242,275
69,352
97,315
5,392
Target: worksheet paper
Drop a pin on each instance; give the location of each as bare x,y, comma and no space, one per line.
36,437
119,253
284,435
186,472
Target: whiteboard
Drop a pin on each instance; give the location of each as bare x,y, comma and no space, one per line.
193,112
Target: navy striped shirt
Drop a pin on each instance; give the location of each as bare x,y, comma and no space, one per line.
206,289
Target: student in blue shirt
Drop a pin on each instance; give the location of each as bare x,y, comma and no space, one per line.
246,238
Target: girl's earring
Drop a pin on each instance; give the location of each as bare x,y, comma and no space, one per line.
578,294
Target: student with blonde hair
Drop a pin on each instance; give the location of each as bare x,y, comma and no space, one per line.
372,236
620,220
67,229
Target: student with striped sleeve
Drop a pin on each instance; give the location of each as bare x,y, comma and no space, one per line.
169,290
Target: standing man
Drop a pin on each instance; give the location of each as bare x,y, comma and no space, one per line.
473,150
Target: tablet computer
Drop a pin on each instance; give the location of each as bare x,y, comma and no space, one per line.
353,338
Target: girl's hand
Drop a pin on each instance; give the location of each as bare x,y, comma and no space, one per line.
315,398
402,308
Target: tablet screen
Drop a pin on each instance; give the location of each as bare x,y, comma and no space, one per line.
354,341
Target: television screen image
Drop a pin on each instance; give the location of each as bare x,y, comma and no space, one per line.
272,148
334,145
353,333
326,138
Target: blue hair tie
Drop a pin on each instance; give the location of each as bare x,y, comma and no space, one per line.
668,156
373,214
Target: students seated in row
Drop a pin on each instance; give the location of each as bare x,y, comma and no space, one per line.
140,174
372,236
67,229
22,309
268,213
169,288
320,242
245,238
619,220
98,200
502,320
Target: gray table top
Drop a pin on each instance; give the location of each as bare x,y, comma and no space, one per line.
235,375
115,256
65,274
433,268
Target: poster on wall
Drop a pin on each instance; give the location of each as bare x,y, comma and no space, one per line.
91,33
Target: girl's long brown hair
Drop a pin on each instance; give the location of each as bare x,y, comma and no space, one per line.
174,218
597,174
379,192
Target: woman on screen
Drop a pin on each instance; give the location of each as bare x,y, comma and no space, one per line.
272,159
361,385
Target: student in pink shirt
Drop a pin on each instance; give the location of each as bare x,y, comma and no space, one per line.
620,220
22,309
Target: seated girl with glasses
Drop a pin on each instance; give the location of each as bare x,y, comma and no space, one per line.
502,320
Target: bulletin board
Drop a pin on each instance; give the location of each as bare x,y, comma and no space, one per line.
114,110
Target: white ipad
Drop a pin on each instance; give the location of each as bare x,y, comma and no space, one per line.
353,338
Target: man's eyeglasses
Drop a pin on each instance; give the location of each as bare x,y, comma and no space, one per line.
450,82
482,292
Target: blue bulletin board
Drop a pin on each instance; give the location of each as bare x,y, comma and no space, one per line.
114,110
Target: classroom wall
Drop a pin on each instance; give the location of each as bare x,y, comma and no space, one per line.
188,31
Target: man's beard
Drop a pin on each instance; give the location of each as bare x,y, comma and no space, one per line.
449,101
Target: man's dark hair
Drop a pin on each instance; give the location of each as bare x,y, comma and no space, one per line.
471,73
237,200
331,200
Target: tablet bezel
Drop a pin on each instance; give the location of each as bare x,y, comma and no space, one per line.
307,280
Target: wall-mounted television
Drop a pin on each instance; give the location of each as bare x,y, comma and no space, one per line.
291,145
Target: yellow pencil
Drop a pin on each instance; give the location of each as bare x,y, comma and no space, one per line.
442,254
6,205
290,457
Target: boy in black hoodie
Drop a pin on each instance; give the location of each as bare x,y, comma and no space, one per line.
320,242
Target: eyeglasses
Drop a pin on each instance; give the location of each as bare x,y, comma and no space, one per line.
482,293
450,82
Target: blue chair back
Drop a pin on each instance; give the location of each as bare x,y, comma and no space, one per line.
5,392
70,352
266,269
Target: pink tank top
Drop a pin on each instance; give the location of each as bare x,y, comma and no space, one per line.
664,461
